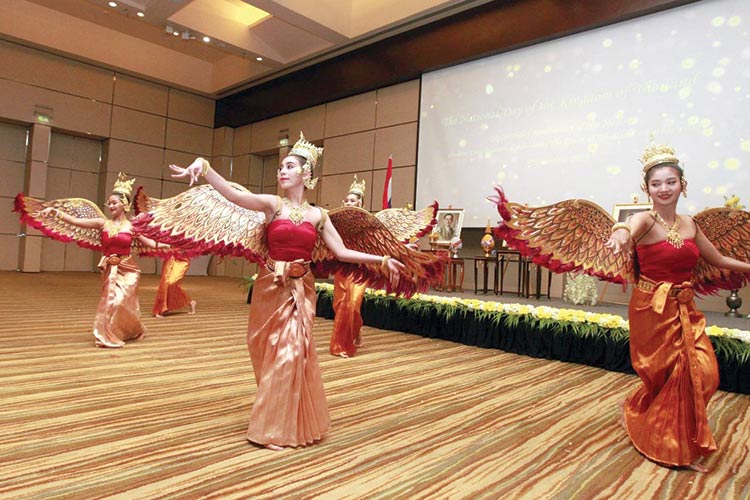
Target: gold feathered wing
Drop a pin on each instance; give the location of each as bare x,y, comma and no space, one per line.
58,229
408,224
563,237
729,231
200,220
363,232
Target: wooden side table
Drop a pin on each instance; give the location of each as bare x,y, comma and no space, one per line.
454,275
505,257
485,263
539,282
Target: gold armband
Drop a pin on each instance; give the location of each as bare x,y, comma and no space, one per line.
384,262
205,168
621,225
58,215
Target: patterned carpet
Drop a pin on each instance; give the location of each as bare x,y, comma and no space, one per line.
412,417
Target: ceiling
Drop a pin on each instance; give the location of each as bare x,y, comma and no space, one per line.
248,42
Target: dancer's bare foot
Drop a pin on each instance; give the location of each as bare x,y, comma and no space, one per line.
342,355
192,307
158,316
358,342
698,468
273,447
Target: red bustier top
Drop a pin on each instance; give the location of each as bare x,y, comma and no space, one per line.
288,241
116,245
663,262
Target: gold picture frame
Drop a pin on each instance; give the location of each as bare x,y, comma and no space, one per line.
623,211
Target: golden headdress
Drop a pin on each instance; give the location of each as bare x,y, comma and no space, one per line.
358,188
124,186
660,154
310,152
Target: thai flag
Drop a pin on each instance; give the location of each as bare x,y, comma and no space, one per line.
388,184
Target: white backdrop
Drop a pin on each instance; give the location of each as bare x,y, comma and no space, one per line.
570,118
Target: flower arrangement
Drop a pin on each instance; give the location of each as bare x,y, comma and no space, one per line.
580,289
455,245
733,202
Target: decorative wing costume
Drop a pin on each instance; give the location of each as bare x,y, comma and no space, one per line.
408,224
570,236
200,220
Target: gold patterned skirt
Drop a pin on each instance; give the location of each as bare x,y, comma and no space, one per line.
118,316
170,295
290,407
347,323
671,353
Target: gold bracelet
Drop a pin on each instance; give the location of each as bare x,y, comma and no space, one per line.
621,225
205,168
58,215
384,262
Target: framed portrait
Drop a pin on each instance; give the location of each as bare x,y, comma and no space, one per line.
623,211
449,223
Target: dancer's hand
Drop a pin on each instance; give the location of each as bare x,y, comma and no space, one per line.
49,212
395,268
619,241
193,171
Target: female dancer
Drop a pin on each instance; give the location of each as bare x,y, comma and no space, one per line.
669,348
118,316
348,295
170,295
290,406
675,255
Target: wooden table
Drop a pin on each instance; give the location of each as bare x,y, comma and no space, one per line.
507,256
485,263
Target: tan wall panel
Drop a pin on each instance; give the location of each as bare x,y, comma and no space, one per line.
234,267
152,187
249,269
310,121
58,184
242,136
222,165
270,168
402,187
40,142
148,266
255,176
223,141
9,255
349,153
87,155
334,189
137,126
53,72
13,142
353,114
241,169
60,151
265,135
136,160
190,138
72,113
170,188
191,108
10,222
398,104
141,95
400,142
53,255
11,177
84,185
80,259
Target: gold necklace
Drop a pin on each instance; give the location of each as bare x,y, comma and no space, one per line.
114,228
673,235
296,214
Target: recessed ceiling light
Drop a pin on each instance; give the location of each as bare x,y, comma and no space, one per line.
258,58
206,39
176,33
112,4
140,14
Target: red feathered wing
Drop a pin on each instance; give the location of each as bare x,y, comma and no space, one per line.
200,220
363,232
407,224
564,237
729,231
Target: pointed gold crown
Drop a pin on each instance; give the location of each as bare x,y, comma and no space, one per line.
124,186
358,188
310,152
658,154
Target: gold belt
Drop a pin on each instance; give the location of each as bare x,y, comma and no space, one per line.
650,286
114,260
295,269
